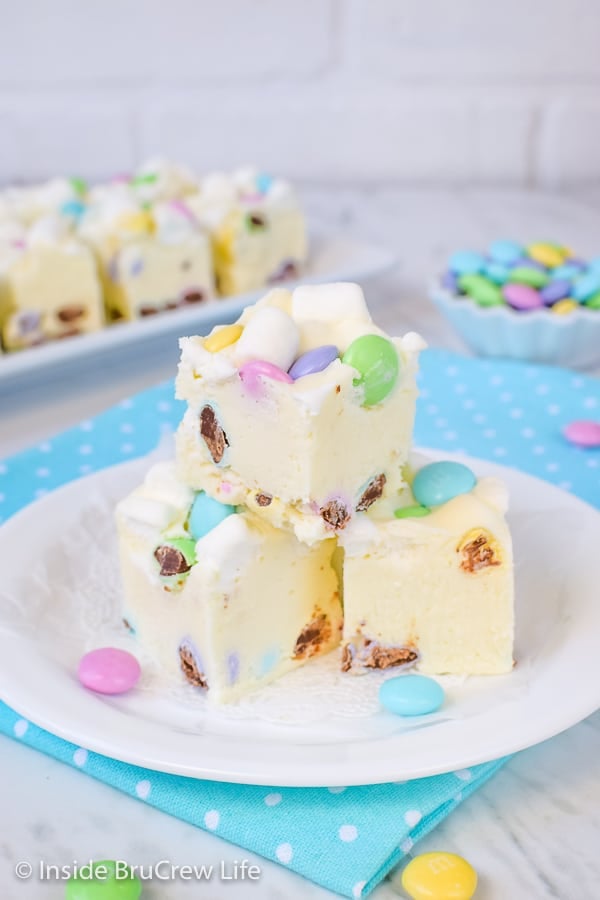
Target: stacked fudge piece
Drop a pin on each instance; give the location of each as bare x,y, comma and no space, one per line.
74,258
295,518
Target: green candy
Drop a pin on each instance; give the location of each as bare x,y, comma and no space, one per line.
483,291
412,512
593,302
110,881
532,277
187,546
79,186
376,360
149,178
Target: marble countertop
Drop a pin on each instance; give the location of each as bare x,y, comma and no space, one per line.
533,831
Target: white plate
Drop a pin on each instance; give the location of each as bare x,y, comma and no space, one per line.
555,684
331,258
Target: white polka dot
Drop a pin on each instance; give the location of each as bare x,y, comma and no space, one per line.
42,472
163,406
505,397
83,470
86,426
499,451
20,727
451,371
531,372
539,450
590,402
86,449
553,409
592,463
358,889
468,403
41,492
552,467
565,485
407,845
460,389
127,448
496,379
489,433
516,413
46,447
212,819
143,789
80,757
458,798
412,817
336,790
425,392
348,833
284,853
127,428
479,419
432,409
464,774
441,423
527,432
577,382
542,389
450,435
2,498
3,469
273,799
126,404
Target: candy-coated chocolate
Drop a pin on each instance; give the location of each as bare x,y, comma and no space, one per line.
522,297
73,208
263,182
568,271
376,360
79,185
252,372
593,302
586,285
411,695
583,433
137,222
187,546
411,512
465,262
450,281
497,273
103,880
483,291
109,670
529,275
555,290
440,482
222,338
313,361
205,514
564,307
506,252
439,876
547,254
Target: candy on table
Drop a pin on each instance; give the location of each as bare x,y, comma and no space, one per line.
109,670
583,433
106,879
275,411
411,695
436,876
246,605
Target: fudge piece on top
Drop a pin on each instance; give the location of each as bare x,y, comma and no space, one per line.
217,596
303,410
432,585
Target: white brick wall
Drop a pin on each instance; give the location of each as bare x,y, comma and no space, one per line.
425,91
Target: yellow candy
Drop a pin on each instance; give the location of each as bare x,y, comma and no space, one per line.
222,338
439,876
137,222
564,307
547,255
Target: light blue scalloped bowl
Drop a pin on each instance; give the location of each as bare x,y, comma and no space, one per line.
539,336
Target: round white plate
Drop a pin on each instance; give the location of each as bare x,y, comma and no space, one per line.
555,684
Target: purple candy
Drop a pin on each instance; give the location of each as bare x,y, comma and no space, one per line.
450,282
233,667
313,361
526,263
522,297
555,290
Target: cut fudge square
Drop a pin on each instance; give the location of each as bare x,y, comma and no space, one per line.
433,588
303,410
218,597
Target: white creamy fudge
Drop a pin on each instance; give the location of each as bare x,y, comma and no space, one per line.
433,589
307,453
151,259
49,285
236,608
257,227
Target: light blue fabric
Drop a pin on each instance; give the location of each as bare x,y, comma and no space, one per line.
345,840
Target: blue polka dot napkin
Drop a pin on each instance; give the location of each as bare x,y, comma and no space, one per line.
344,839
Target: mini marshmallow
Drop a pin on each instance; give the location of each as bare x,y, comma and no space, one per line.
270,335
329,303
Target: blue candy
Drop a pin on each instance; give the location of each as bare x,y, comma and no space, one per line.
314,361
205,514
586,285
411,695
263,183
466,262
440,482
506,252
567,270
497,273
73,208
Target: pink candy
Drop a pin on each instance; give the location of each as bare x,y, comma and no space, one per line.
253,372
109,671
583,433
521,296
